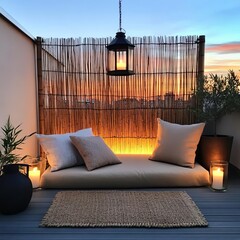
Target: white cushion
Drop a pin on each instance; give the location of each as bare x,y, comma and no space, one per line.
60,151
94,151
177,144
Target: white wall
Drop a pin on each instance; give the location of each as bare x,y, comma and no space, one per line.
17,82
230,125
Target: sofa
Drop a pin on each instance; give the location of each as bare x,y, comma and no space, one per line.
135,171
82,160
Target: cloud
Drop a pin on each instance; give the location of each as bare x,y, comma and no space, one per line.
225,48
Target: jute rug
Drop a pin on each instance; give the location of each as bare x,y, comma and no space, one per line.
123,209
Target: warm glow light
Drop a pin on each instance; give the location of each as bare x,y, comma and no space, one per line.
121,65
131,145
34,175
217,181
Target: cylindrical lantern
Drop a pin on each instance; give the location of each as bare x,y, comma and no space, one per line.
120,52
120,56
218,176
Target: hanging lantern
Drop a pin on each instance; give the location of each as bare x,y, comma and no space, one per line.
120,53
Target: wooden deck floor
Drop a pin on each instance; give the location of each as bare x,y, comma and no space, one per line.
222,211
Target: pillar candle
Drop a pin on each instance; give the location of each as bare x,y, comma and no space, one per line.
121,65
217,181
34,175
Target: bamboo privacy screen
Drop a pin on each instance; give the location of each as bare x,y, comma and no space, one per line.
76,93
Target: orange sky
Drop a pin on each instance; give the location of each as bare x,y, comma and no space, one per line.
219,58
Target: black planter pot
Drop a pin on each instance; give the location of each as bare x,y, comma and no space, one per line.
15,189
214,148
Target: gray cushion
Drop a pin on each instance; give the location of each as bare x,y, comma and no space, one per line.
94,152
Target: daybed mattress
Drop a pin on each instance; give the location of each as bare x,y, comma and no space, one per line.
135,171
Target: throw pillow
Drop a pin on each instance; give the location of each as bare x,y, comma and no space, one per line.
60,151
94,151
177,143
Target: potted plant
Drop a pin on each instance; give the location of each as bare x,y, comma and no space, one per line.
15,186
216,97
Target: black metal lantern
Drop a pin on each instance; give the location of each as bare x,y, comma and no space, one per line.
120,53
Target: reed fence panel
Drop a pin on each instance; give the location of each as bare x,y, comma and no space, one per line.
75,91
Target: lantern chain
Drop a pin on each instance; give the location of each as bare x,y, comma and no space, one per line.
120,15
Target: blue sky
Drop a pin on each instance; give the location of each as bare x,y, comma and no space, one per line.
218,20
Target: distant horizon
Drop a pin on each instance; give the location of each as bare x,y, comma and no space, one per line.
215,19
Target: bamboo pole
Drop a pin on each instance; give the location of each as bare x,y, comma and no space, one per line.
40,85
201,52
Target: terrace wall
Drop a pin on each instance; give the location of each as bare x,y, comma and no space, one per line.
18,81
230,125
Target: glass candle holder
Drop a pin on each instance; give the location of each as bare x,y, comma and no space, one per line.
218,176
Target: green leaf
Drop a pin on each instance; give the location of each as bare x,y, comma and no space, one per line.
217,96
10,142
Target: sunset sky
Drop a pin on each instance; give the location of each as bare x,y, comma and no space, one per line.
218,20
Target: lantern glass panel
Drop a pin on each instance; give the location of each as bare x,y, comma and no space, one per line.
130,59
111,60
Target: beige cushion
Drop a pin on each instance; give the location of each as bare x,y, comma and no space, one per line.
60,151
94,151
177,143
135,171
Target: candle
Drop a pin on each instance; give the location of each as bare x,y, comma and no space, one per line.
217,181
34,175
121,65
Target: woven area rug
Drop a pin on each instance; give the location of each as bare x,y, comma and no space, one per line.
123,209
